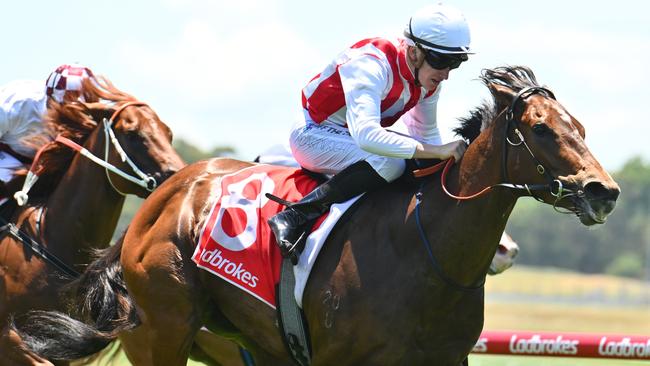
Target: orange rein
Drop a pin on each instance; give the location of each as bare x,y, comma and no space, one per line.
443,178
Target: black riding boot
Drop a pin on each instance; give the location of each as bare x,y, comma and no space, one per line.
292,225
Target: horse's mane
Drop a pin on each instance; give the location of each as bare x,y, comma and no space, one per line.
71,119
513,77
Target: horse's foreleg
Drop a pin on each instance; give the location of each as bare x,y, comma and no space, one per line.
212,349
135,344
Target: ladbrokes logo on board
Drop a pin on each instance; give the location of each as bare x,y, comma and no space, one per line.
537,345
623,348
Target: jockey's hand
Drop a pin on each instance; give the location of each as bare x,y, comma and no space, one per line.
454,149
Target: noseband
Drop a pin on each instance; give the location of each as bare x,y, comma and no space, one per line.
145,181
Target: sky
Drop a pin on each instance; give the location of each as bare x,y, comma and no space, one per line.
230,73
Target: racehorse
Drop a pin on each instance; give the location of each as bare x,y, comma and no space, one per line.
398,282
211,348
76,201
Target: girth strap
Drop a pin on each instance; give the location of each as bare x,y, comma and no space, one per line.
292,323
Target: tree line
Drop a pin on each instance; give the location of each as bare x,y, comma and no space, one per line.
619,247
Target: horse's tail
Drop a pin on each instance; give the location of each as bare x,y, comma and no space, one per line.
106,310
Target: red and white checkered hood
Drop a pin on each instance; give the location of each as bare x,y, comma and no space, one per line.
66,78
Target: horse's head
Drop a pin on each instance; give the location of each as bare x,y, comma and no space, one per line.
141,148
544,147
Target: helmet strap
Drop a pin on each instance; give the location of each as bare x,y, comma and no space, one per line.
416,67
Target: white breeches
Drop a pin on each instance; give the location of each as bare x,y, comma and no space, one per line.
329,148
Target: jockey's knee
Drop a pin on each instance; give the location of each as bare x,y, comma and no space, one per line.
388,168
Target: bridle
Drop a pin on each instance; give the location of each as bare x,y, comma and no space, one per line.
554,185
141,179
144,180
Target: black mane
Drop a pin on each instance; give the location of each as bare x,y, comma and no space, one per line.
513,77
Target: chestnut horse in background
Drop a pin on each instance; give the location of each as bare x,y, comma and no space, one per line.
74,206
399,282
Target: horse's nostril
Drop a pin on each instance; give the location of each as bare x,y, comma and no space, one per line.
597,190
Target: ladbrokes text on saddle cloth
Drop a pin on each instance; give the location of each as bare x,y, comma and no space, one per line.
236,243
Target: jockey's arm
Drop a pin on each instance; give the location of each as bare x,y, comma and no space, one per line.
364,80
421,121
426,151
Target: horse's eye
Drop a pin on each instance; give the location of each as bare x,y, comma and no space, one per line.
540,128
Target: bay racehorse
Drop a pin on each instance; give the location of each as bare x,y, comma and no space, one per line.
75,204
211,348
400,282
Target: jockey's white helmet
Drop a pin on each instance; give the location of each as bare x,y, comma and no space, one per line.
66,80
440,28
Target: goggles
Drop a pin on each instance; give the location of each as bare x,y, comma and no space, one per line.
441,61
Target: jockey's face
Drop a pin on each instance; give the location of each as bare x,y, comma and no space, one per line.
430,78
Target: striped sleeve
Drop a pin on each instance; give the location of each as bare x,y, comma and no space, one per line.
421,120
365,79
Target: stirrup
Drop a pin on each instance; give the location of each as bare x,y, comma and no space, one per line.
293,251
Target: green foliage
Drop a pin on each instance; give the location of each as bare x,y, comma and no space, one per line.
191,153
551,239
627,264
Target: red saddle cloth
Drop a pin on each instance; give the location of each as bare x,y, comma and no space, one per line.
236,243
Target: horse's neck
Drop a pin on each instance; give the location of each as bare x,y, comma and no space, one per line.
465,244
83,210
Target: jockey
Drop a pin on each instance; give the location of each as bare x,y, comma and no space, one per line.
23,104
351,103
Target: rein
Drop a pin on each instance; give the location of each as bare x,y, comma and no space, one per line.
554,186
434,262
143,180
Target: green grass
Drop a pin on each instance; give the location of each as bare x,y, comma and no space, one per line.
565,284
493,360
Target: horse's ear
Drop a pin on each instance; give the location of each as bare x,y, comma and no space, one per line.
98,111
503,95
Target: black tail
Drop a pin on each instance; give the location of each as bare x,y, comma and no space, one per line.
106,311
